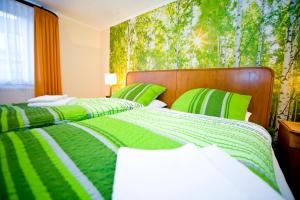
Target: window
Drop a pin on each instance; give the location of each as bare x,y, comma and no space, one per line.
16,44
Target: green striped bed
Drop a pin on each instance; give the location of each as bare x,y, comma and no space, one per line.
77,160
21,116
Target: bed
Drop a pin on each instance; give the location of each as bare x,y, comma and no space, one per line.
22,116
77,160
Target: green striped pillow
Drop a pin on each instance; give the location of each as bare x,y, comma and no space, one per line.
213,102
143,93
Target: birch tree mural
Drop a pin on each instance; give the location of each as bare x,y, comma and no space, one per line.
118,53
261,33
216,33
129,27
286,78
238,33
177,33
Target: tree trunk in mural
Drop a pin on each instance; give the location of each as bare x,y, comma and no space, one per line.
294,54
219,52
261,33
191,34
222,51
177,40
128,45
238,33
286,85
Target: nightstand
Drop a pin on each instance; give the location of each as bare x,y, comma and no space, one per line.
288,153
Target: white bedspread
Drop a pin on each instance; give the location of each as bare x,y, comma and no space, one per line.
185,173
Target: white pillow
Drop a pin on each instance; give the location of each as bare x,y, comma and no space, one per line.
157,104
247,116
47,98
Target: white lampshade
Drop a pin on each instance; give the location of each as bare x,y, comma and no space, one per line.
110,78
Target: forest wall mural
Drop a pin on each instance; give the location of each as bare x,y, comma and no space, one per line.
216,33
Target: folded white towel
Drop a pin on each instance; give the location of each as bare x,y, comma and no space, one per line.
62,102
47,98
185,173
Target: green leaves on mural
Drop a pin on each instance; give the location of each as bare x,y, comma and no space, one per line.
216,33
118,46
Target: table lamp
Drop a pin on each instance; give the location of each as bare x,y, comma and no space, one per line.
110,79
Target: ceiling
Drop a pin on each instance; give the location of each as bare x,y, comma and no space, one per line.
101,14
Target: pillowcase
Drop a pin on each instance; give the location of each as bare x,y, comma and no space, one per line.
143,93
247,116
157,104
213,102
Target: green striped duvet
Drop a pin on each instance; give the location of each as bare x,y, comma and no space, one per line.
77,160
19,116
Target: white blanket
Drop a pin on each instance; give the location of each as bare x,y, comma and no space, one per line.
185,173
62,102
47,98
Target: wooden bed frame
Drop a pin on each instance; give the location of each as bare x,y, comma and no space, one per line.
254,81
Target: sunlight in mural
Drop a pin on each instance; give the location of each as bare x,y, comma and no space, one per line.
197,41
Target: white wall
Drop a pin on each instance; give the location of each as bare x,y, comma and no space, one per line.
84,58
104,53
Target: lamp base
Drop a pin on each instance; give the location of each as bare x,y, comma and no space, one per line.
110,91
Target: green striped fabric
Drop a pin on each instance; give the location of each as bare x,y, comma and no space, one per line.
143,93
213,102
21,116
77,160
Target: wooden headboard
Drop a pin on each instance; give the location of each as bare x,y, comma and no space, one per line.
254,81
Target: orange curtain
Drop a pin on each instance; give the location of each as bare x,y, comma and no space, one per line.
46,53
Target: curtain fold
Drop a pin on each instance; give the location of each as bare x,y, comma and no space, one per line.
47,53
